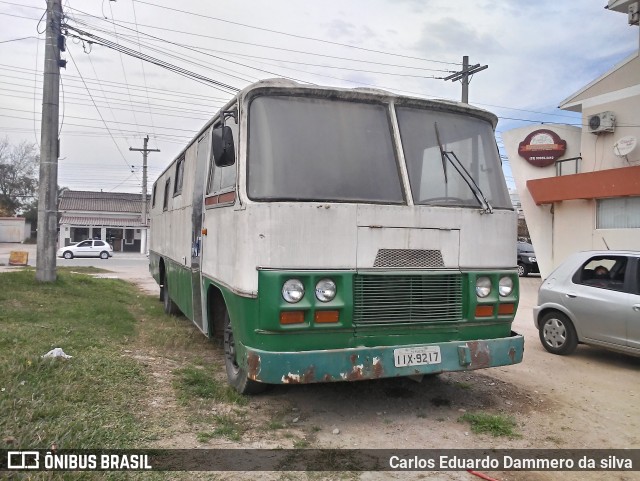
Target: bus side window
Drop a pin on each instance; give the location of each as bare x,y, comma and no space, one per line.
165,200
223,179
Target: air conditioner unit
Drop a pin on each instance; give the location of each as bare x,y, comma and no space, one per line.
602,122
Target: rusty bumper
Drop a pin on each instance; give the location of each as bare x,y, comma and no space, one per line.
361,363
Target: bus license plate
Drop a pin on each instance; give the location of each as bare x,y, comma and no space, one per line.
417,356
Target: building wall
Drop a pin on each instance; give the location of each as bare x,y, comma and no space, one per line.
562,228
13,229
598,149
542,219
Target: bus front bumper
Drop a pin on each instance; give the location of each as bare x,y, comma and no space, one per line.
354,364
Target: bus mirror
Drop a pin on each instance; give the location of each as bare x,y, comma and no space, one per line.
222,146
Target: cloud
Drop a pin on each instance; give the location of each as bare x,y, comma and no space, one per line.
449,37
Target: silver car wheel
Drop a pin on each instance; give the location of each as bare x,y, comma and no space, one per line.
555,333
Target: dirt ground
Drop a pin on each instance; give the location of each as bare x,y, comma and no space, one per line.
590,399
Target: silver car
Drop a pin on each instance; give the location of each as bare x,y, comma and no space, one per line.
592,298
87,248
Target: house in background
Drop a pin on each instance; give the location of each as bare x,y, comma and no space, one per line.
110,216
580,187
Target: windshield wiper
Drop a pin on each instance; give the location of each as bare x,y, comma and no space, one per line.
466,176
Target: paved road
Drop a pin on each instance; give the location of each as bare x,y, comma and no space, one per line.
130,266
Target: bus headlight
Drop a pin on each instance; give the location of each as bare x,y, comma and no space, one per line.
292,291
325,290
506,286
483,286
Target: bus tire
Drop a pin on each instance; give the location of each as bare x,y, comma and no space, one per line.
236,374
170,307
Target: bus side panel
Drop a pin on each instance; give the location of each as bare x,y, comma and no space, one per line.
180,286
243,313
154,266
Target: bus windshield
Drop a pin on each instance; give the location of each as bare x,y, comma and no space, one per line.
434,181
311,149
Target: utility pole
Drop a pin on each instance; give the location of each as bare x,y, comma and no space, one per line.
49,148
464,75
145,151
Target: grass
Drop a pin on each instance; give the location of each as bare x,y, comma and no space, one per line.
195,382
226,427
84,401
494,424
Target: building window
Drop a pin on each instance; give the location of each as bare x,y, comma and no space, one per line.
153,196
618,213
165,201
177,188
128,236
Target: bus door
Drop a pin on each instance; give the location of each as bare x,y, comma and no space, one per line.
196,234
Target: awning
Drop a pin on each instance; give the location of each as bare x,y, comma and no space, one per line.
602,184
101,221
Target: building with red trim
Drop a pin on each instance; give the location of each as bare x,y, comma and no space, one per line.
580,187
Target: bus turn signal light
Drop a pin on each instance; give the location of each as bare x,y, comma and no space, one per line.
504,309
292,317
484,311
326,317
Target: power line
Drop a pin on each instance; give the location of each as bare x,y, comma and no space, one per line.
294,35
98,110
94,39
173,93
221,39
17,39
173,54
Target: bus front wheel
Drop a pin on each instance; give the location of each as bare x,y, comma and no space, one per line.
236,374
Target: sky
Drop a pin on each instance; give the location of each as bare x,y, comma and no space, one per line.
538,54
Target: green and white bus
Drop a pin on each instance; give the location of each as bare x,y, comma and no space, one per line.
329,234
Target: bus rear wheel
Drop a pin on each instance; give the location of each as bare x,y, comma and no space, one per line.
170,307
236,374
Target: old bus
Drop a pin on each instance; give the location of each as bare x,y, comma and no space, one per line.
328,234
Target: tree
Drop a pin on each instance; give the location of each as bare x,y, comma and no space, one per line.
18,176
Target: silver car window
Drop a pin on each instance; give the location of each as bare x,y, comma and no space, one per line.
604,272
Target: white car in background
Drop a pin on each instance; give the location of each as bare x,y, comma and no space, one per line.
87,248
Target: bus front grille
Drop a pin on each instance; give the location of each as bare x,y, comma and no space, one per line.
399,299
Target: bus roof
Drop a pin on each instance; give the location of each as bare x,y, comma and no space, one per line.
278,85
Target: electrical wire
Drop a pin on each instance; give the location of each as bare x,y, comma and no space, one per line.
98,110
144,75
296,36
124,72
17,39
221,39
182,57
94,39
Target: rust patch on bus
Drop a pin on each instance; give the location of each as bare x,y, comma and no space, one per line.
512,354
356,374
378,368
253,365
309,376
480,354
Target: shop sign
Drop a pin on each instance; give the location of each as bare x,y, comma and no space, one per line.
542,147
